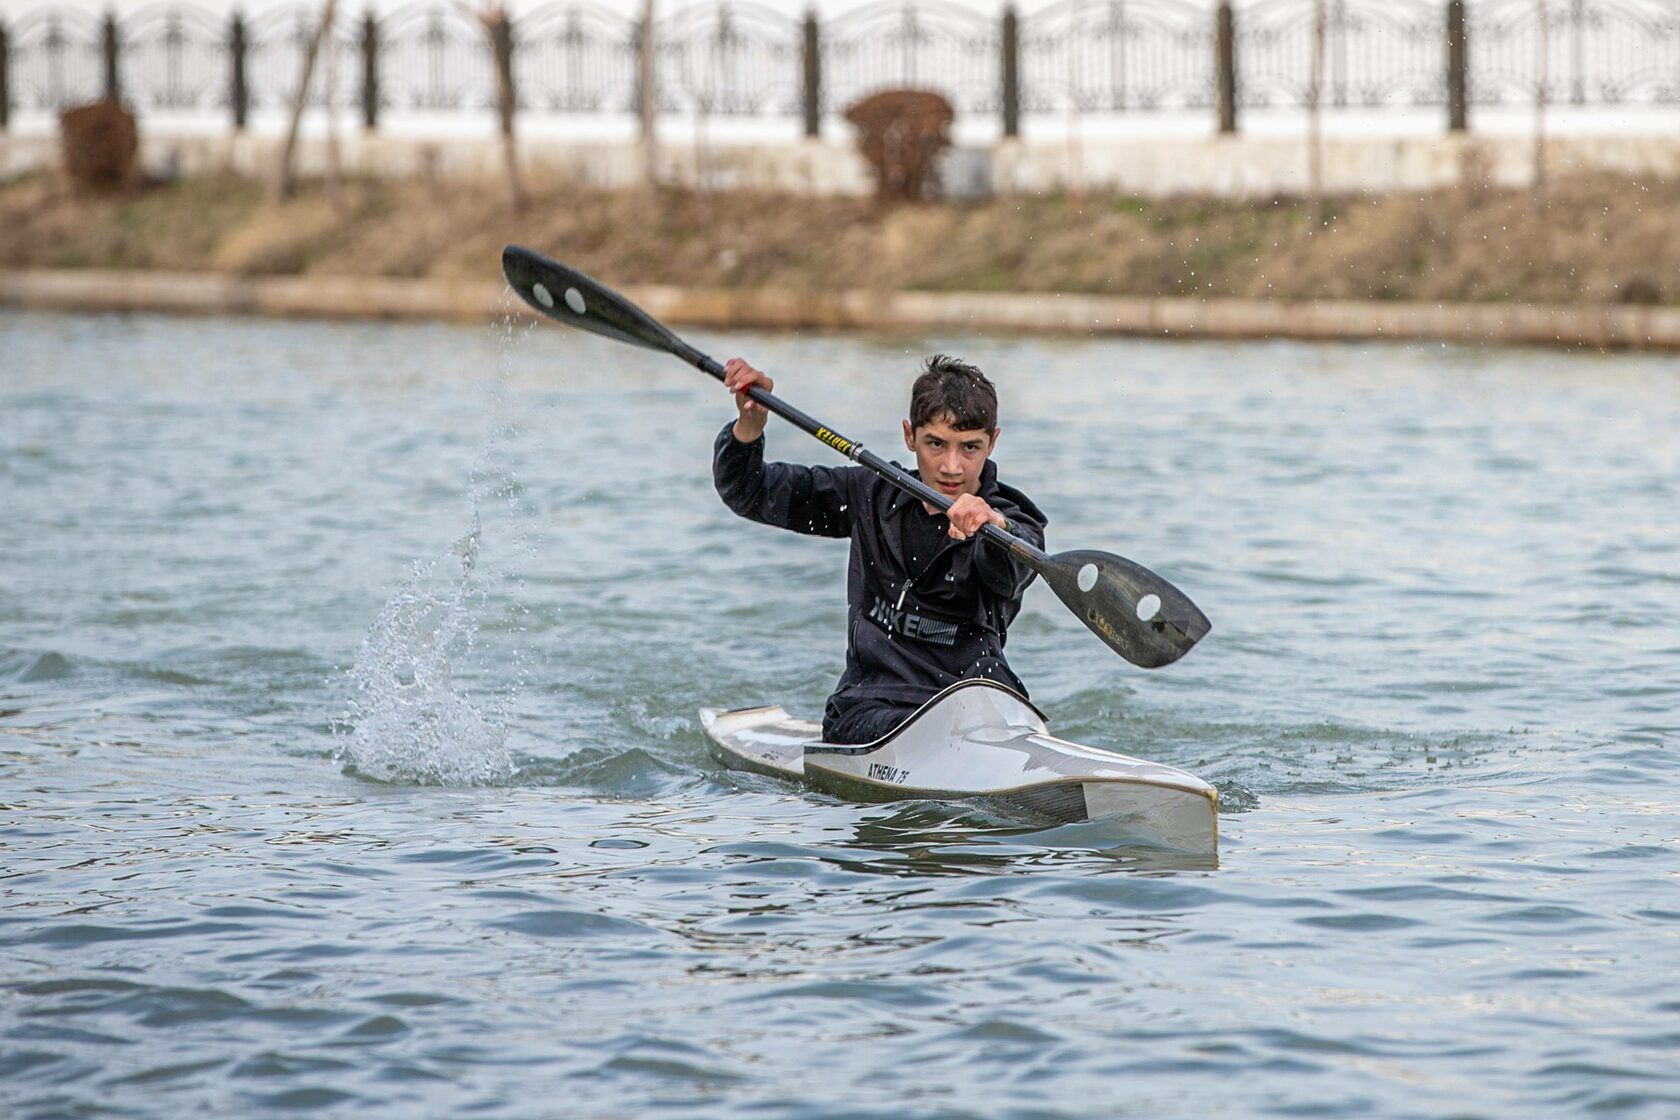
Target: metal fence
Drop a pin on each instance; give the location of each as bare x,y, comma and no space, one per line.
741,58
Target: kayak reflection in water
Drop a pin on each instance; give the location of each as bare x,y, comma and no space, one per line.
927,604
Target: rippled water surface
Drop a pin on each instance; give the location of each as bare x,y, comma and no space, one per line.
349,759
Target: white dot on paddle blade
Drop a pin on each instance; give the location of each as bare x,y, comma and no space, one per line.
1148,607
1087,577
574,300
544,296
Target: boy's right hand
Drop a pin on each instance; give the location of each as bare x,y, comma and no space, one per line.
738,377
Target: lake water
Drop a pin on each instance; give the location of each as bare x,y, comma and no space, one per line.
349,758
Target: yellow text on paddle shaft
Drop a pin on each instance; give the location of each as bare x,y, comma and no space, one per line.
835,440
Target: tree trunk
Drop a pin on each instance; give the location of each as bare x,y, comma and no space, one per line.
499,27
1315,123
283,178
647,75
1537,194
329,95
1075,159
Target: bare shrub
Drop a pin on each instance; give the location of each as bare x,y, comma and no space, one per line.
1639,290
99,142
901,133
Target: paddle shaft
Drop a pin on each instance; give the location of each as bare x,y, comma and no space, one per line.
1025,551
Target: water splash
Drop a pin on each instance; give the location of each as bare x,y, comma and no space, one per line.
407,721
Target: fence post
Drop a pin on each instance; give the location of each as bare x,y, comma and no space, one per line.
1011,72
109,49
5,80
811,66
370,71
1225,54
239,94
1458,113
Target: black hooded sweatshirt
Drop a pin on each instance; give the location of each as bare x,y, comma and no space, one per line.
916,626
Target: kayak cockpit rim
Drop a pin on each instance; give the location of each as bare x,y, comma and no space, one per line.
972,682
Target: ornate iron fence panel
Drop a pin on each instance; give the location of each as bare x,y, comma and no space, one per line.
733,59
175,57
922,44
576,58
1377,53
276,41
432,56
744,57
1118,55
56,59
1584,52
1506,41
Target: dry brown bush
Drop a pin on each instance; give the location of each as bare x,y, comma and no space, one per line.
901,133
98,142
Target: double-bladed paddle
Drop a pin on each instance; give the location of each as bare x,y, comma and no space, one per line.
1135,612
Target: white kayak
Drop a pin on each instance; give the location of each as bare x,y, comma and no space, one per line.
979,741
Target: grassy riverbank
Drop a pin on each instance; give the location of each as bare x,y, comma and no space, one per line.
1598,240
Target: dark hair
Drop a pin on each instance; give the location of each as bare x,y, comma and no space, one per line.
949,387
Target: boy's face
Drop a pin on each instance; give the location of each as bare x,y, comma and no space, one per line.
948,458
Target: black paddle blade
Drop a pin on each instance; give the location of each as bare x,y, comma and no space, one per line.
1138,614
568,296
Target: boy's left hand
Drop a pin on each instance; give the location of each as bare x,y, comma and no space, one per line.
968,513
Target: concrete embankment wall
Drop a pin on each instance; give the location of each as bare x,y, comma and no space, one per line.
364,297
1243,166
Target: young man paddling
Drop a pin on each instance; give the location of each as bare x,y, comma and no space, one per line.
929,604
